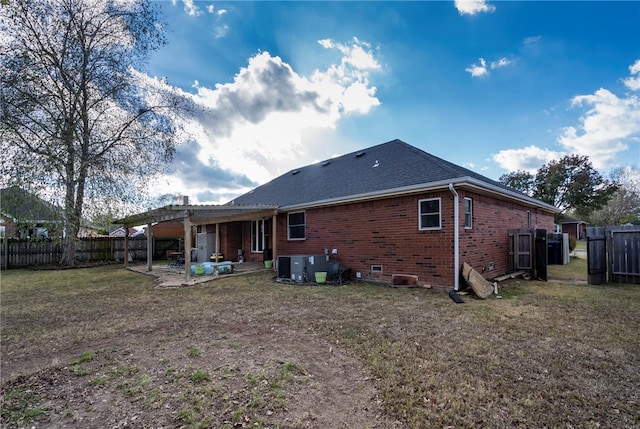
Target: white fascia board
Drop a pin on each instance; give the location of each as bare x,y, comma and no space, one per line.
514,195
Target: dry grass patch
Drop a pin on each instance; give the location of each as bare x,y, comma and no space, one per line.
102,347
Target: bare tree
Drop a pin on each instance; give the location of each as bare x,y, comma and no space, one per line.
76,118
624,206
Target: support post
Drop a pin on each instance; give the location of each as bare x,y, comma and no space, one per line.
126,246
217,241
149,247
187,239
274,240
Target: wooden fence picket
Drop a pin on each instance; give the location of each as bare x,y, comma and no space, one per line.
613,254
24,253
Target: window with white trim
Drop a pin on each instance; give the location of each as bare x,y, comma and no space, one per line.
296,226
260,234
468,213
429,214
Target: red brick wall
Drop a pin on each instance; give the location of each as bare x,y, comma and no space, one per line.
230,240
231,236
487,242
385,232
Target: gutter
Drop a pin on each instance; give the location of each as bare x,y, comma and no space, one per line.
456,238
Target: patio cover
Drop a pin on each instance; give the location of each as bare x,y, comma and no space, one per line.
194,215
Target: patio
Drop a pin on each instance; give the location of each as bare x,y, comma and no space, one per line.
168,276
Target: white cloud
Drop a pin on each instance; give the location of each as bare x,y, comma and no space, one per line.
191,8
263,122
473,7
605,128
633,82
479,69
220,31
532,39
356,56
528,159
608,126
502,62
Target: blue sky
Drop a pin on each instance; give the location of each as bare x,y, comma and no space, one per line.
494,86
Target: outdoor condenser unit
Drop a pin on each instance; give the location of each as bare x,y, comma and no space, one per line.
298,268
284,267
316,263
303,268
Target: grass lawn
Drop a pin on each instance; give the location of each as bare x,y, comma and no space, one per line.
102,347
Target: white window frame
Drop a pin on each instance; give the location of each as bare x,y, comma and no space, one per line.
468,215
303,225
259,227
420,214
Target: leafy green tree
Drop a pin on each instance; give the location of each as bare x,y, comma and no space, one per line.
572,183
75,118
520,180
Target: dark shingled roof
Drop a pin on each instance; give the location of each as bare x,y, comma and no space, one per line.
24,206
388,166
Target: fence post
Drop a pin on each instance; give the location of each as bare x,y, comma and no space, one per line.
4,254
540,254
596,255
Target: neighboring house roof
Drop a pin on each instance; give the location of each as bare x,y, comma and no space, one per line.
120,232
387,169
23,206
568,219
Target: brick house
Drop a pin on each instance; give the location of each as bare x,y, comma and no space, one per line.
24,215
388,209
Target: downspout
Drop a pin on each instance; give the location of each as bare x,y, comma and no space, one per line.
456,238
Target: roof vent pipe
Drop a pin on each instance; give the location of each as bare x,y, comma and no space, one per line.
456,238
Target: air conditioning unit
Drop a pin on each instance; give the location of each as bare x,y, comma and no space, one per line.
284,267
301,268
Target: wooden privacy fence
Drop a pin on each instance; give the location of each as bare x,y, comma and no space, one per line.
24,253
613,254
